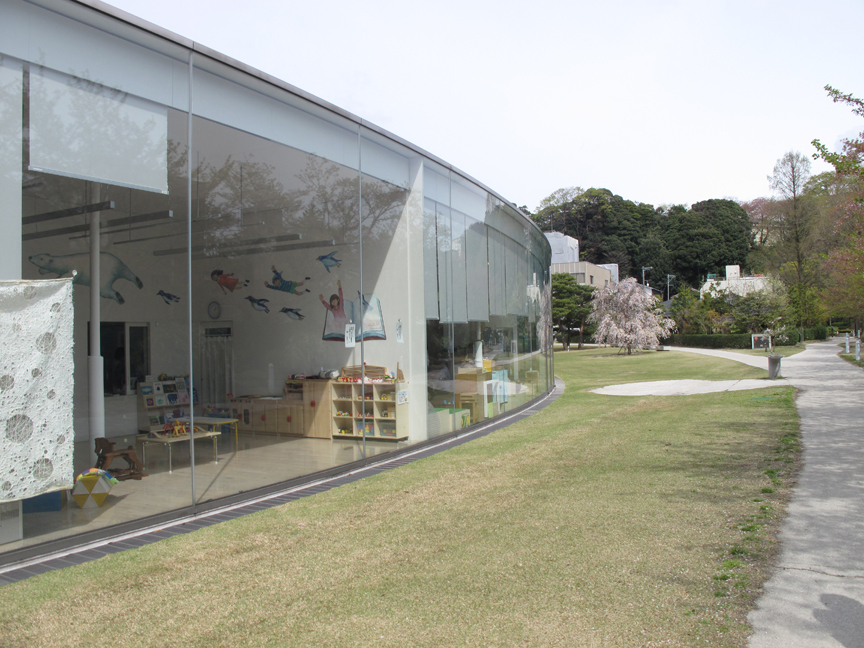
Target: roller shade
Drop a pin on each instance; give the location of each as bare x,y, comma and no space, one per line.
86,130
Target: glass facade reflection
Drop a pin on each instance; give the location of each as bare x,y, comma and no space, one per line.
329,292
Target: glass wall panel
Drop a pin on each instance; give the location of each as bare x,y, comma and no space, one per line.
444,227
477,269
457,255
430,258
220,332
11,131
440,328
393,286
89,149
276,265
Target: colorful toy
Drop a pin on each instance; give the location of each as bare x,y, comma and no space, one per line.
92,488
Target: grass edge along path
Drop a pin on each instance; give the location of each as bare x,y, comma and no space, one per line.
600,521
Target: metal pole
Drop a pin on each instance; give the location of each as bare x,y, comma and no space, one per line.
644,268
189,277
360,328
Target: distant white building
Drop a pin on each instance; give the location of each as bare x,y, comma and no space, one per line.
612,268
565,249
735,283
565,259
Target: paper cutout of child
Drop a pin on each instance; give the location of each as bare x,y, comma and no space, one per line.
336,307
227,281
285,285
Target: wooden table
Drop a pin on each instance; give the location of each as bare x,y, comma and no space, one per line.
212,422
168,441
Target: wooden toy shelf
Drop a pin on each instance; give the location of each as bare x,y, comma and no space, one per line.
385,418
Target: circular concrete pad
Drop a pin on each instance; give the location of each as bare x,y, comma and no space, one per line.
686,387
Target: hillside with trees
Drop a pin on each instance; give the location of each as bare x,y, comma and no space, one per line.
807,237
686,242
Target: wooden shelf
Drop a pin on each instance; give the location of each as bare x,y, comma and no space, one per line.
383,413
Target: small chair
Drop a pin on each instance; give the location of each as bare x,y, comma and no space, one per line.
105,454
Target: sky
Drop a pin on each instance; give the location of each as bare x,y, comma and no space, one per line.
661,102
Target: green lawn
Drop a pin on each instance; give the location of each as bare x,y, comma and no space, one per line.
780,350
600,521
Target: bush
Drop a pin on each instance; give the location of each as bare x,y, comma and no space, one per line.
741,340
817,333
722,341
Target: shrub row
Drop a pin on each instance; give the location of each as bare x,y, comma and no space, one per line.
720,341
740,340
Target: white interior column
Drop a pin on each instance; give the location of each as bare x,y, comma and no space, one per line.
94,361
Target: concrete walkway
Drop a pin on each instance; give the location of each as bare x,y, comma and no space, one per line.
816,596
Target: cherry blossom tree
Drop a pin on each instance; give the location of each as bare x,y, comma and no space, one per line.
628,316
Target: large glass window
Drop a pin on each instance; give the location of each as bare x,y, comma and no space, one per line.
92,177
236,282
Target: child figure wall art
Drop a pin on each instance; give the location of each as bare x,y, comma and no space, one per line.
365,309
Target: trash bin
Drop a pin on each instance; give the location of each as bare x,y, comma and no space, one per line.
774,366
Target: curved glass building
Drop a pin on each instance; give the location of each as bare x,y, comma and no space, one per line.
243,252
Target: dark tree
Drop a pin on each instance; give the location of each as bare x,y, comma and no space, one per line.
571,305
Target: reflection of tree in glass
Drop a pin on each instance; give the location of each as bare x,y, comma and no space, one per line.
237,193
10,116
383,205
331,196
326,201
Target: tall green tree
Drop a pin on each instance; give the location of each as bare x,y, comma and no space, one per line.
571,305
706,238
801,240
609,228
844,266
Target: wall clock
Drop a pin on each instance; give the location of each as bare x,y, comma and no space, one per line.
214,310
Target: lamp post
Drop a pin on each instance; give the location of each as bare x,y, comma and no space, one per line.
644,268
669,279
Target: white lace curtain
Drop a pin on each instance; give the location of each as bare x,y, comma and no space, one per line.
36,383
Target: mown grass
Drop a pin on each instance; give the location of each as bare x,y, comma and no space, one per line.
600,521
780,350
850,358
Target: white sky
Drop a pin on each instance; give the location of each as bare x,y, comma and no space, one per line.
661,102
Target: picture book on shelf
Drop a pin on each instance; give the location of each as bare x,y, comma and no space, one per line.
367,307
